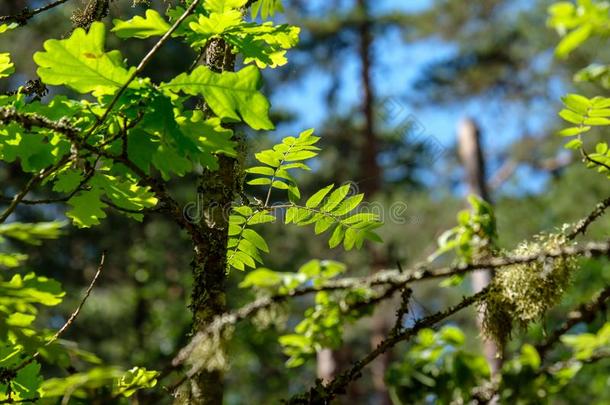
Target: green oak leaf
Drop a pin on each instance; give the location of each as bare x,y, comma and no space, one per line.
230,95
88,206
138,27
30,289
7,67
35,150
12,260
161,122
211,138
67,181
27,381
257,51
214,25
7,27
125,194
81,63
168,161
87,209
222,6
141,147
264,44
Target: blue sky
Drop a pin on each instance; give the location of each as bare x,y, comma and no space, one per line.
502,123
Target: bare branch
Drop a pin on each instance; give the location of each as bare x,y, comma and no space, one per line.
22,17
392,279
583,224
143,63
71,319
28,121
321,394
485,393
43,174
584,313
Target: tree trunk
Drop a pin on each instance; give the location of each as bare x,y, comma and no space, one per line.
471,155
371,172
371,182
326,365
216,192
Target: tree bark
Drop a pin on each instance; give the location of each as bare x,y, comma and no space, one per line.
471,155
371,181
216,192
371,184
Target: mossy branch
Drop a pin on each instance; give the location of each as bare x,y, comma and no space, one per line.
390,279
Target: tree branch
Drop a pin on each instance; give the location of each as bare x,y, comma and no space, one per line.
22,17
29,186
143,63
323,394
73,134
583,224
585,312
389,278
71,319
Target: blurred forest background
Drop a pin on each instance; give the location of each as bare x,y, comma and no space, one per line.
386,84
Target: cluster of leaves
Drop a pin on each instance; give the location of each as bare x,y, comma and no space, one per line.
99,151
330,209
21,296
586,346
105,150
262,44
577,23
111,380
437,368
474,236
322,326
245,244
149,122
586,113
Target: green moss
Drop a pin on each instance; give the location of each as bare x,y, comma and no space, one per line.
522,293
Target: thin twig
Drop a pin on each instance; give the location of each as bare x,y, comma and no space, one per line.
72,317
29,186
388,278
582,225
25,14
326,393
488,391
584,313
143,63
